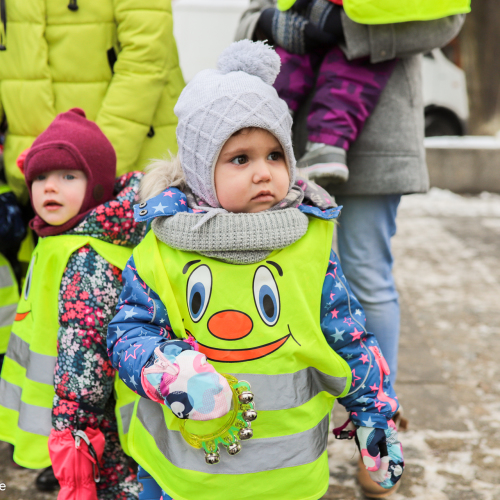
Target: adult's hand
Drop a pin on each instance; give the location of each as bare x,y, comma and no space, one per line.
301,4
265,24
299,35
326,16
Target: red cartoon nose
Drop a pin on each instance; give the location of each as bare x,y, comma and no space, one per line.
230,325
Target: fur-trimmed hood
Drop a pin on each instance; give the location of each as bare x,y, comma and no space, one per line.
160,175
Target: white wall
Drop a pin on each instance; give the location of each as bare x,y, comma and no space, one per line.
203,29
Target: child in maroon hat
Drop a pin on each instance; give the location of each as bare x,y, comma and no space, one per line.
84,219
70,143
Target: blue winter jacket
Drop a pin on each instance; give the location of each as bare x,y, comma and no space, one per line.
141,324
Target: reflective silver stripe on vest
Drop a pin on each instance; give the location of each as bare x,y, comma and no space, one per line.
257,455
18,350
7,315
35,419
10,395
5,277
39,367
290,390
126,414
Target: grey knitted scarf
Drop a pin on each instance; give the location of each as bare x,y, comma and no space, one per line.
233,238
241,238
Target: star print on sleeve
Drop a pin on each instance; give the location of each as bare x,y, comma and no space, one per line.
368,423
133,381
356,335
130,313
160,208
364,358
119,332
355,378
338,334
169,202
342,322
348,320
137,328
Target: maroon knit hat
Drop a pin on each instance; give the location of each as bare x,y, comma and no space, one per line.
71,142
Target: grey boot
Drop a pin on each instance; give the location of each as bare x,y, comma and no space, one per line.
323,163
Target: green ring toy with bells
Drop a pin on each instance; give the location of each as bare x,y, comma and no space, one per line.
237,427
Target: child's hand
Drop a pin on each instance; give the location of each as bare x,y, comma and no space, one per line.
382,454
186,383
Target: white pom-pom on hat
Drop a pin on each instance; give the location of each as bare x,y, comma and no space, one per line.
254,58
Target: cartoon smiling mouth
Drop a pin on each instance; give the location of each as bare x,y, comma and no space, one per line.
231,325
239,355
21,316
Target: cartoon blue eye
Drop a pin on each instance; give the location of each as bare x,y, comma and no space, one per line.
27,283
199,289
266,296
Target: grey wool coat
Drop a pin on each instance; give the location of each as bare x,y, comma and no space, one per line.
388,156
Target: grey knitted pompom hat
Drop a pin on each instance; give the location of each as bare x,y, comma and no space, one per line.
216,103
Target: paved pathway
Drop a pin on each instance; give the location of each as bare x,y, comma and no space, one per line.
448,273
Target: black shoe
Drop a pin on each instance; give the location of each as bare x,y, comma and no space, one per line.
46,481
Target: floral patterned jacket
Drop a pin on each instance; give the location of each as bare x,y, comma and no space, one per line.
90,288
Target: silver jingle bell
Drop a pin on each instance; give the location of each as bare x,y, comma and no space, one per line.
249,415
212,458
234,448
245,434
245,397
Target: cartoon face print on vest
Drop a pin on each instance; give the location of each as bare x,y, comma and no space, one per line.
243,324
22,315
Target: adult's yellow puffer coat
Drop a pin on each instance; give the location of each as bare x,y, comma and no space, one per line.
116,59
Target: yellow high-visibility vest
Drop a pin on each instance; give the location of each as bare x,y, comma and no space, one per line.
278,347
27,378
396,11
9,294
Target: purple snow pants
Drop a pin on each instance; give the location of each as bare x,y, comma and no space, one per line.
346,92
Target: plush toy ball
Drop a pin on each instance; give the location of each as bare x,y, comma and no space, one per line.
254,58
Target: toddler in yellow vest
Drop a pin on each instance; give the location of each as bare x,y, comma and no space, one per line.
237,277
57,404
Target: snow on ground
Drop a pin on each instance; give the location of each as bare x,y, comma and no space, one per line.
447,269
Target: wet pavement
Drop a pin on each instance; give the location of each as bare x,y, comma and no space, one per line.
448,273
447,251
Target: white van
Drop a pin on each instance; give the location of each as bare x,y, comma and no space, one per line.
445,96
